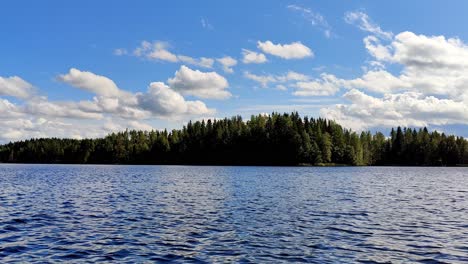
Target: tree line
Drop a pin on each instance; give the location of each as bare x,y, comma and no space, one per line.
276,139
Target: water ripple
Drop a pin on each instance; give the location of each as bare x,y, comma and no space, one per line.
134,214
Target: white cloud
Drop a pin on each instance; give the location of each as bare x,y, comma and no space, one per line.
139,126
430,89
376,49
269,108
202,62
22,128
325,86
159,101
111,108
163,101
205,24
40,127
201,84
9,110
46,108
292,76
315,18
263,80
159,51
433,64
112,125
16,87
430,65
206,62
253,57
120,52
294,50
429,52
363,22
227,62
404,109
281,87
110,99
91,82
40,106
377,81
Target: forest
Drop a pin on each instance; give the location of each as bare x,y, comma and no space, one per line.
276,139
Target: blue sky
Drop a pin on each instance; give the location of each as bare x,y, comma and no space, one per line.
87,68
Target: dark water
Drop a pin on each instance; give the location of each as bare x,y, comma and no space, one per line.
133,214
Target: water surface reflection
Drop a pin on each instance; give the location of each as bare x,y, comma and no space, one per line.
58,213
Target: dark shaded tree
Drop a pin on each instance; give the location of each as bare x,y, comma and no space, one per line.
276,139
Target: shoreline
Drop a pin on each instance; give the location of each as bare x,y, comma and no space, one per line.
243,165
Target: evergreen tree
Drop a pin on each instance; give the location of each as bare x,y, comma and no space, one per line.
275,139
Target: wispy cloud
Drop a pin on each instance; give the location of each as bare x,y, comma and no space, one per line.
159,51
315,18
365,23
120,52
264,80
205,24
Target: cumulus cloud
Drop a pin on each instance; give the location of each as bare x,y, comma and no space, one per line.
21,128
429,89
294,50
209,85
16,87
430,65
315,18
253,57
403,109
365,23
227,62
376,49
111,108
91,82
160,99
379,81
430,52
40,127
139,126
9,110
159,51
42,107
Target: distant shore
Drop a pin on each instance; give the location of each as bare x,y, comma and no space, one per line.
237,165
268,140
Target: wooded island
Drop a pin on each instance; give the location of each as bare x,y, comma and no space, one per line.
276,139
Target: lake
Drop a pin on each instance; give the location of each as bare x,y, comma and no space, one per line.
134,214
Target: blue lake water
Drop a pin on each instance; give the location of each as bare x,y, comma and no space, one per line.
134,214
